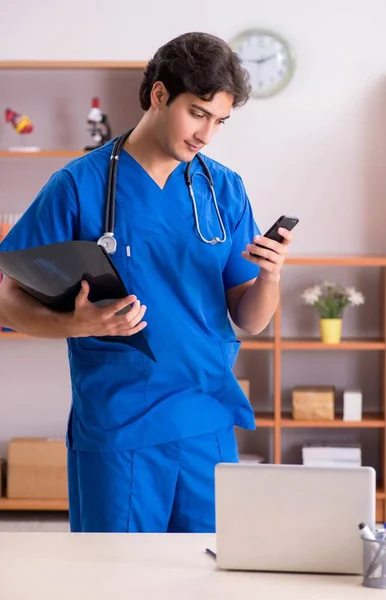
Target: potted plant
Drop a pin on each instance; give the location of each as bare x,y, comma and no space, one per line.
330,300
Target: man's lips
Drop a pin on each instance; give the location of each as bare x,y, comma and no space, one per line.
193,147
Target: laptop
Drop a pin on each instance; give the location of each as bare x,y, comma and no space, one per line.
292,518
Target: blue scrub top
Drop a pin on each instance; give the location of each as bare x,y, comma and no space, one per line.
122,400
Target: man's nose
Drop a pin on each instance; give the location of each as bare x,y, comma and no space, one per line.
205,133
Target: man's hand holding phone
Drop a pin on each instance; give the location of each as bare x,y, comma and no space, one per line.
269,251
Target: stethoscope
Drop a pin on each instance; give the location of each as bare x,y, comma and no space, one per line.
108,241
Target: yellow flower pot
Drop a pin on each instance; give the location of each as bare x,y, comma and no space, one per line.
331,330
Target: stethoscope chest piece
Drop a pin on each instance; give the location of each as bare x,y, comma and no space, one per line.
108,242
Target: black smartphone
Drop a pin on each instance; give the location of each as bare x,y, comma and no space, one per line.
283,221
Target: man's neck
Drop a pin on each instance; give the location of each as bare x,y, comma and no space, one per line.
144,148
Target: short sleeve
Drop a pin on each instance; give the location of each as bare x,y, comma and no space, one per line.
237,269
52,217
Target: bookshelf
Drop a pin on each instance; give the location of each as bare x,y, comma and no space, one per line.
58,97
279,420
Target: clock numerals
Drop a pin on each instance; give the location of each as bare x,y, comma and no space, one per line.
268,59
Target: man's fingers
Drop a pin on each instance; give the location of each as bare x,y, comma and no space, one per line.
83,292
129,320
136,318
287,235
132,317
266,253
120,305
138,328
131,331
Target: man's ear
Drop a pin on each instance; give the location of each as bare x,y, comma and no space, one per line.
159,95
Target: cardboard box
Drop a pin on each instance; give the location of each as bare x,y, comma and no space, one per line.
37,468
313,403
245,386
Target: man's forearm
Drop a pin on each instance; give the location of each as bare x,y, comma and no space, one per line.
257,306
21,312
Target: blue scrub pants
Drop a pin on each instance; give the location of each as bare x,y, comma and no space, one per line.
165,488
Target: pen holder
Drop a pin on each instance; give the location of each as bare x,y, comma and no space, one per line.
374,563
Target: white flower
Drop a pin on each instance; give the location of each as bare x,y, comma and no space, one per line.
312,294
331,299
355,298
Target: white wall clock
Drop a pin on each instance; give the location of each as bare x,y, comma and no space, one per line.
268,58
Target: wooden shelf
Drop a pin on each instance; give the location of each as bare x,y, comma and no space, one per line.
264,419
337,261
72,64
276,420
42,153
368,421
13,334
33,504
345,344
257,344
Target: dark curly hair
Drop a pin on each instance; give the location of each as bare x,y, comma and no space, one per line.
198,63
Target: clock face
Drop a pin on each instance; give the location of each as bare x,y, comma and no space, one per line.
268,59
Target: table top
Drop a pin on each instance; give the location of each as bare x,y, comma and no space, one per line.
145,566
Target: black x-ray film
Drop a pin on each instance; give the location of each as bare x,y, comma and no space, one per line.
53,273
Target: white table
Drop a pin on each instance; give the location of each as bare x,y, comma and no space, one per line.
64,566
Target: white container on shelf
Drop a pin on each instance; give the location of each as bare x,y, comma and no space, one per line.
352,405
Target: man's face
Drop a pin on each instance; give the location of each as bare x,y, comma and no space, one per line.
188,124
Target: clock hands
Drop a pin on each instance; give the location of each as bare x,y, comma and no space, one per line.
260,60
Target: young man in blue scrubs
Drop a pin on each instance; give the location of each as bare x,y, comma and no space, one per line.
144,437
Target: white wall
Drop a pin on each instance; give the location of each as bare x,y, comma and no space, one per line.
313,148
316,150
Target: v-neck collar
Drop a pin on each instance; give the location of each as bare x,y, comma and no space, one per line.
176,171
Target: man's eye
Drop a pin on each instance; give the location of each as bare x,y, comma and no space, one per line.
197,115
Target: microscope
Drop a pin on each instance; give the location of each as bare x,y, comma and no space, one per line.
99,125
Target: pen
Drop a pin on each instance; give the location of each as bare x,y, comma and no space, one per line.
209,551
366,532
